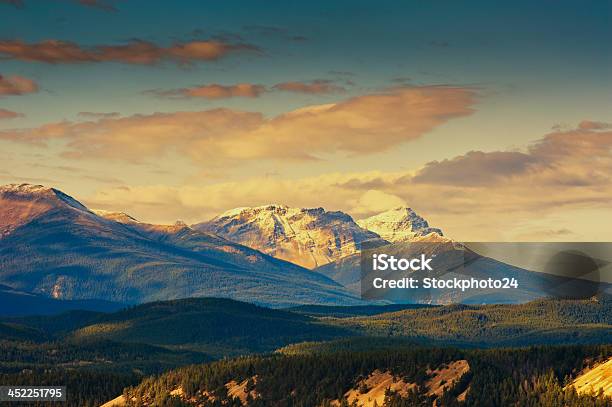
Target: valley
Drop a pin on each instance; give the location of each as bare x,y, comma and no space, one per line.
127,346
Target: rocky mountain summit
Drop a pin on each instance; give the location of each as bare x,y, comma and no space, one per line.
401,224
314,237
308,237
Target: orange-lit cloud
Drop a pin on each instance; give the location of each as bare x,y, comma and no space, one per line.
134,52
558,180
591,125
316,87
580,157
359,125
213,91
475,168
16,85
217,91
8,114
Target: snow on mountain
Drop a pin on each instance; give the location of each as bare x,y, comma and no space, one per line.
401,224
52,245
19,203
39,193
119,217
308,237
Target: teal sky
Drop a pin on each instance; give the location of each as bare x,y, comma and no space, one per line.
536,53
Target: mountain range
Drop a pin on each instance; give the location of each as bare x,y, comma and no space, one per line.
315,237
308,237
53,245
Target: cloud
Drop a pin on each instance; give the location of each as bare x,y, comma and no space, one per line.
251,90
97,115
164,203
359,125
540,193
402,80
563,157
7,114
591,125
16,85
212,91
475,168
374,201
134,52
316,87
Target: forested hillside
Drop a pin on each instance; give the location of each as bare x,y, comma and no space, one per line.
214,325
124,346
500,377
538,322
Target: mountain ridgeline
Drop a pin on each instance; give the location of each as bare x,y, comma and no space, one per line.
314,237
308,237
53,245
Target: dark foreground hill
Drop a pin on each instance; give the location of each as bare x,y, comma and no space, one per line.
390,377
224,327
98,354
212,325
218,326
53,245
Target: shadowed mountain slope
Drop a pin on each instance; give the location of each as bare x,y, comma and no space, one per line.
53,245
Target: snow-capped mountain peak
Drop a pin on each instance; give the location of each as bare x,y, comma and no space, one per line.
20,203
400,224
40,193
309,237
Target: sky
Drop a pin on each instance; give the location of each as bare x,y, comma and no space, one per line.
490,119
